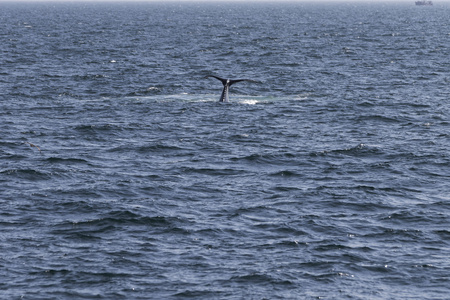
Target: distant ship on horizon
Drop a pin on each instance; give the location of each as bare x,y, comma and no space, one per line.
424,2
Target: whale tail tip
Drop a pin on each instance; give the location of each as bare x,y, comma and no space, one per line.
226,85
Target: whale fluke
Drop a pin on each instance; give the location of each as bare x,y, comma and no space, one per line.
226,86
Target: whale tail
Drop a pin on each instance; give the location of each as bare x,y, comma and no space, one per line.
226,86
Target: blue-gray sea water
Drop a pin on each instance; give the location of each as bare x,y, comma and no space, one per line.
123,177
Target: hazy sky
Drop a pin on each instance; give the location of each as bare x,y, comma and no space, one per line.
311,1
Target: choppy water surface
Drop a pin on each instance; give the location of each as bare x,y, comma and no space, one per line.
122,177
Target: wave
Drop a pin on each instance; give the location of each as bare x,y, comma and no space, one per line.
234,98
117,220
359,150
60,160
28,174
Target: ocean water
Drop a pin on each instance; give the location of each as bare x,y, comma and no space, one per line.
123,177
